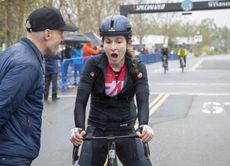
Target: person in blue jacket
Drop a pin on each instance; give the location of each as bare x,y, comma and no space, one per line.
77,61
66,56
51,76
22,86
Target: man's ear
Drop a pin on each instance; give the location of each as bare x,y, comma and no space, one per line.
47,34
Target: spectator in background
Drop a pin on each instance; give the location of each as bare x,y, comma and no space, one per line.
77,61
142,50
51,75
66,56
66,53
146,51
88,49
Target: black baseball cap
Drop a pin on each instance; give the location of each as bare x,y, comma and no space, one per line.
47,18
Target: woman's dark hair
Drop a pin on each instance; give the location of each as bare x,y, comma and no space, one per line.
132,62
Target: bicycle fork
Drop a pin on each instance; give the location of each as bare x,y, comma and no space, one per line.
112,158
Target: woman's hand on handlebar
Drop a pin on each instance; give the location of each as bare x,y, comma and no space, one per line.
77,135
145,133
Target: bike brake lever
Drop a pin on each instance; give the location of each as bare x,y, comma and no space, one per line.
145,144
75,156
146,148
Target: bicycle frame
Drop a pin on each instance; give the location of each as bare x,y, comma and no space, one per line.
112,157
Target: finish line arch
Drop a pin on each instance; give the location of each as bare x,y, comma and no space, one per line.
185,6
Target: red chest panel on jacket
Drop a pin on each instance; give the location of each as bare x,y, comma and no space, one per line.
113,84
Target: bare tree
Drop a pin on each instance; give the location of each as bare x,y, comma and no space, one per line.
14,14
88,14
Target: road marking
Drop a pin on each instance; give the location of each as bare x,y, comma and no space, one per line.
193,93
192,84
196,65
157,103
212,108
156,100
66,96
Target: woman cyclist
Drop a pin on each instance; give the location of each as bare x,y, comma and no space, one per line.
112,79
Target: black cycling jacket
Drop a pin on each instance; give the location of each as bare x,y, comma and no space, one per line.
164,51
106,111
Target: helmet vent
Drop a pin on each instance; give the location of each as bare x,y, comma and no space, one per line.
112,26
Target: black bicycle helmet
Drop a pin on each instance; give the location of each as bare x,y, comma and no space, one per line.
116,25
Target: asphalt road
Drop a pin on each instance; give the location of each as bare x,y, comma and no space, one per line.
189,113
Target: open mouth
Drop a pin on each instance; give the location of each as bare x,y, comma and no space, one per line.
114,55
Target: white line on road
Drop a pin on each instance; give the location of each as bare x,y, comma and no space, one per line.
192,84
66,96
192,93
196,65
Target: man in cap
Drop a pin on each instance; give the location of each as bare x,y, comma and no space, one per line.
21,86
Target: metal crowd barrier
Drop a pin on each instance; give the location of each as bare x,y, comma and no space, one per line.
71,69
152,58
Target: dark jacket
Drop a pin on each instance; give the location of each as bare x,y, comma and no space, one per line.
51,64
66,53
112,112
21,92
164,52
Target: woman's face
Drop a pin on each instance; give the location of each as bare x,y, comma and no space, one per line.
115,48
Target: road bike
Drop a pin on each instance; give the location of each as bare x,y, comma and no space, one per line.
111,140
164,63
182,63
